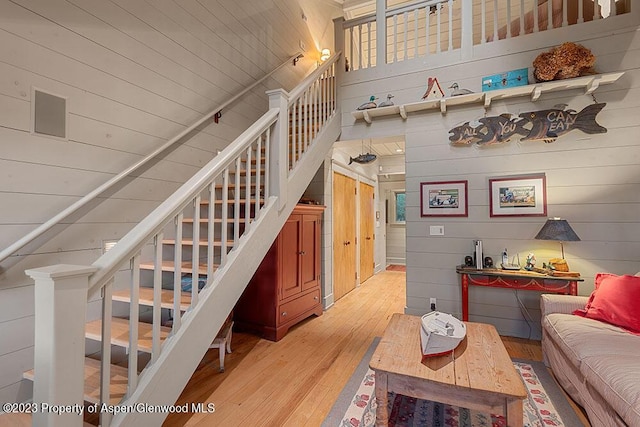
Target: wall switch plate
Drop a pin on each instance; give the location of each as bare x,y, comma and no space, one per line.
432,303
436,230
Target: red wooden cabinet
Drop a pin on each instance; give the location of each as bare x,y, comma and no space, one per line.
286,287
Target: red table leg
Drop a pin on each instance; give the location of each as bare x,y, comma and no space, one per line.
465,297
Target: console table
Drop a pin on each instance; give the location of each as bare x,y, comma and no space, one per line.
521,279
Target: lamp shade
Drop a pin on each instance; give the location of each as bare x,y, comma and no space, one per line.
557,229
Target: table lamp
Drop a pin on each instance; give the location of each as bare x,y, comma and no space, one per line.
557,229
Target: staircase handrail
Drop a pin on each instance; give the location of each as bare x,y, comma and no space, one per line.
134,240
304,84
56,219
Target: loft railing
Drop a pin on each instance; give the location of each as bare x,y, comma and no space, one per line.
426,28
212,196
61,216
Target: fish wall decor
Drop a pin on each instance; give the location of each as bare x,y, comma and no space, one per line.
363,158
543,125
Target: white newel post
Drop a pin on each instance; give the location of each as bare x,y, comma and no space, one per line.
278,161
381,33
338,42
60,313
466,21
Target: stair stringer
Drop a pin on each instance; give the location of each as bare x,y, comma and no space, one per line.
163,381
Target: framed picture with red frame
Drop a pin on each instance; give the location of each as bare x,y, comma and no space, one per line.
443,198
523,195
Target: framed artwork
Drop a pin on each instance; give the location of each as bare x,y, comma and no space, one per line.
445,198
524,195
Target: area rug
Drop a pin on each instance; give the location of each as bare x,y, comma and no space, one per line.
394,267
356,405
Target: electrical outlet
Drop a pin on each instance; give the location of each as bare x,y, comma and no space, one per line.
436,230
432,302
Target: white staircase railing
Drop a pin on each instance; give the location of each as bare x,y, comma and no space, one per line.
220,224
426,28
79,204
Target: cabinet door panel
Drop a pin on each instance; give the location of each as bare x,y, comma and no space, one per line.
310,258
290,259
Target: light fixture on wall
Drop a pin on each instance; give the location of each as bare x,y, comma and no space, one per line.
557,229
325,54
297,58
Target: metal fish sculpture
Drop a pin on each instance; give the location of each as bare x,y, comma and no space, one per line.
548,125
500,129
363,158
465,134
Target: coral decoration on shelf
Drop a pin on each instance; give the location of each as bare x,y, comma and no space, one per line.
564,62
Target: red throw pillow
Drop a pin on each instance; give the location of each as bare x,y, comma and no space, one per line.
615,300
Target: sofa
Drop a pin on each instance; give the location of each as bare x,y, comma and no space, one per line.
596,362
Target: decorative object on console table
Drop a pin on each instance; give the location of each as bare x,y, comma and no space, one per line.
445,198
558,229
286,287
524,195
521,280
478,253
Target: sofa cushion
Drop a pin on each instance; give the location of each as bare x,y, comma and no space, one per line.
617,379
614,301
580,337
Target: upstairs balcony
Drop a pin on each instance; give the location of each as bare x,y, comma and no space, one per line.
400,36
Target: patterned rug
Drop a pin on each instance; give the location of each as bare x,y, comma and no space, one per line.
546,405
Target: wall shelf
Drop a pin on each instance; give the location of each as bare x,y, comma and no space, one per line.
588,83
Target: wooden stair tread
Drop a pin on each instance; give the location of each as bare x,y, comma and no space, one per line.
187,267
118,382
146,298
120,333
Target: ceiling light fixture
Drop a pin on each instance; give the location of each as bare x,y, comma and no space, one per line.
325,54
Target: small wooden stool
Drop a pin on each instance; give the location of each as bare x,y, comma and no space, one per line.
222,341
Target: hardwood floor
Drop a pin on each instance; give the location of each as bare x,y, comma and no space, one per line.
296,381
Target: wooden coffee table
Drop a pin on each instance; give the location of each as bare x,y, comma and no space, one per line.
479,374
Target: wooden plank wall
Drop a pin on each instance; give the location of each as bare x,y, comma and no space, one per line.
135,73
592,180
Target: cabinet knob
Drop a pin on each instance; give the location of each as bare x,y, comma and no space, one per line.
315,298
368,238
284,313
301,253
